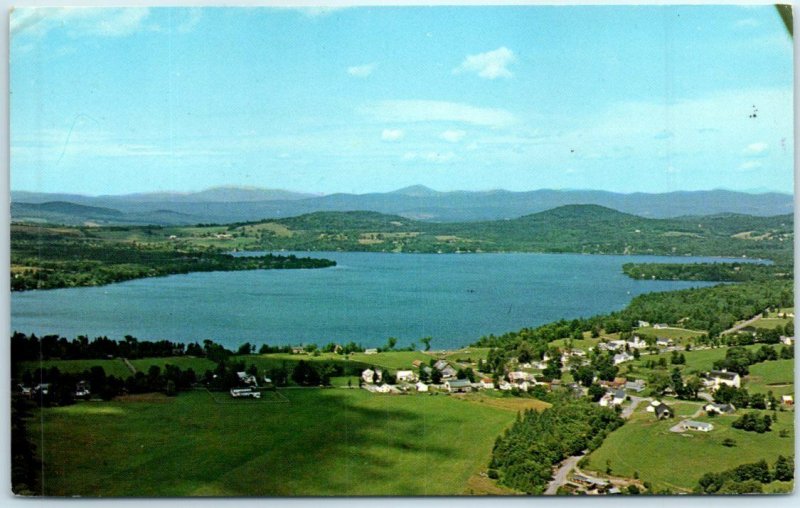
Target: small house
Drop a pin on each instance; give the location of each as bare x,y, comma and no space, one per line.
663,411
719,408
246,379
405,376
518,377
660,326
371,351
664,343
636,386
416,363
458,385
622,358
643,324
787,400
723,377
504,386
487,383
449,372
371,376
788,341
441,365
618,397
698,426
421,387
637,343
82,389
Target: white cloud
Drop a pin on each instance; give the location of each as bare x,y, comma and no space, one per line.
430,156
392,134
453,136
361,71
756,149
750,166
489,65
437,111
78,21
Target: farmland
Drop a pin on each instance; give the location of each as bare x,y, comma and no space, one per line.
325,441
675,461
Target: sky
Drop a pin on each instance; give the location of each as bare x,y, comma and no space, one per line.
625,99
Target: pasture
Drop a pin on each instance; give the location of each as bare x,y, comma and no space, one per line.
323,442
676,461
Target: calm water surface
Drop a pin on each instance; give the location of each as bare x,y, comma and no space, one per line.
368,297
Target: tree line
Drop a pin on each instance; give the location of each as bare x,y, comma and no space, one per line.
746,478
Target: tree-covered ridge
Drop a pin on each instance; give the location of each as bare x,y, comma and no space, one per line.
715,272
525,454
44,258
588,229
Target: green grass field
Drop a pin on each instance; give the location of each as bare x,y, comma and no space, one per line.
669,333
113,367
324,442
676,461
199,365
777,377
696,360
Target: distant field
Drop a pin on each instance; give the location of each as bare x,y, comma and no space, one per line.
777,377
675,461
771,323
113,367
199,365
325,441
696,360
669,333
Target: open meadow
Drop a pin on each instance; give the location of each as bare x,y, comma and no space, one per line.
322,442
646,448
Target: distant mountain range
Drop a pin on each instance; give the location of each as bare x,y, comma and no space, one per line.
238,204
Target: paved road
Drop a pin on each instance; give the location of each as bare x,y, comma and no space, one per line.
736,328
560,478
635,401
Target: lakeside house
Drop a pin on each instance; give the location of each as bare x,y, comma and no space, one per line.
458,385
723,377
698,426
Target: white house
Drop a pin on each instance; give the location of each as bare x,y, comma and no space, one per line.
719,408
504,386
643,324
458,385
518,377
636,386
622,358
487,383
421,387
369,375
787,400
371,351
787,340
246,379
660,326
637,343
664,343
618,397
699,426
723,377
406,375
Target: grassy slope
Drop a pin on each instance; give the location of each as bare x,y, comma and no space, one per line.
673,461
764,376
323,442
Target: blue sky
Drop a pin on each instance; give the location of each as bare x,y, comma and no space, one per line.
627,99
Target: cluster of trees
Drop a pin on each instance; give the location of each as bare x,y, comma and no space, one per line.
712,309
761,335
684,388
57,258
739,359
30,347
753,422
741,398
746,478
63,385
715,272
524,455
24,462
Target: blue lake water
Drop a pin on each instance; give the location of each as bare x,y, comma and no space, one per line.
367,298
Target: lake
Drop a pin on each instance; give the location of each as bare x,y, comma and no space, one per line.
368,297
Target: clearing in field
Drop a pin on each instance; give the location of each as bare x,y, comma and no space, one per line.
324,442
